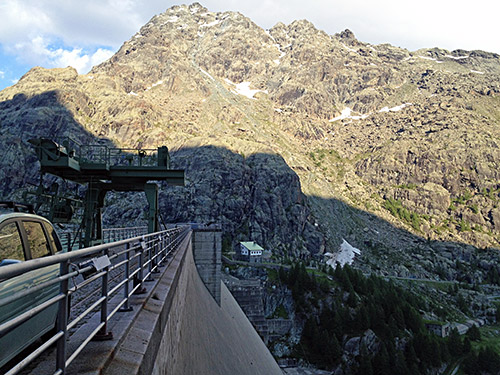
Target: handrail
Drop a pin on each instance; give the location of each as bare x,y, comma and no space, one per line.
139,257
30,265
72,238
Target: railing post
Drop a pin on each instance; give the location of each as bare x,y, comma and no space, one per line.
103,333
140,274
126,306
156,252
68,238
150,267
62,320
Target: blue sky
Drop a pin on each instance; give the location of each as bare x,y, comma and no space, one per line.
60,33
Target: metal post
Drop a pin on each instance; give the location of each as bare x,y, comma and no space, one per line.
150,267
103,334
139,279
151,191
62,320
126,306
156,252
68,237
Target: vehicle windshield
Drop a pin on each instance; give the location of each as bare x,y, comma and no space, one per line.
10,243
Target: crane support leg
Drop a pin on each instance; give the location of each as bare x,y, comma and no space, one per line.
151,191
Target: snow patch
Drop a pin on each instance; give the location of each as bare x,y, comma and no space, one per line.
244,89
270,36
457,57
427,58
207,74
157,83
345,256
132,93
154,84
216,22
346,114
395,109
476,71
348,48
431,59
172,19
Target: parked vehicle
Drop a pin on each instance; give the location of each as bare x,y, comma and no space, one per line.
23,237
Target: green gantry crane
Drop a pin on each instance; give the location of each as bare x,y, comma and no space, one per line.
103,169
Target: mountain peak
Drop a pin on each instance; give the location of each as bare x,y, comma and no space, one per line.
381,112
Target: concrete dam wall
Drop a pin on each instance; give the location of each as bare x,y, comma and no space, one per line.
191,332
202,337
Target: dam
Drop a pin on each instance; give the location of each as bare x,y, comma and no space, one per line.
185,321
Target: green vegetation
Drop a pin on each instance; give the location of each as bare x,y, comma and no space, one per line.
344,302
493,277
330,158
481,361
474,208
464,226
490,193
397,209
226,244
409,186
489,337
280,312
462,199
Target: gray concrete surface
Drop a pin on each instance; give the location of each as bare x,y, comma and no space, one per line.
202,337
207,249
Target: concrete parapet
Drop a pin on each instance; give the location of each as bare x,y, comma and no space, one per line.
207,245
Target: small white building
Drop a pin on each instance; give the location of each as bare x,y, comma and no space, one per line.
439,328
251,251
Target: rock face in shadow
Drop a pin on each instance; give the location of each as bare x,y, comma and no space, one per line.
257,197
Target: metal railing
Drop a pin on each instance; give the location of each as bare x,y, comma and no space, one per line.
74,240
129,263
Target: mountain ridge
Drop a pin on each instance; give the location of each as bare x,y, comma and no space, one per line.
410,137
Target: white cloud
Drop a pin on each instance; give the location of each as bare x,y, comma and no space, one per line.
38,51
2,74
54,33
99,22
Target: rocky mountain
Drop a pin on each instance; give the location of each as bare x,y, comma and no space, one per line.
290,136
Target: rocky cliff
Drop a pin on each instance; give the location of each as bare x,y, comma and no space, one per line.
289,136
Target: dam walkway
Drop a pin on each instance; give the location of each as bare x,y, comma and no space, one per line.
150,304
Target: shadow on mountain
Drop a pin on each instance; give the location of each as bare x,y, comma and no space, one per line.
257,197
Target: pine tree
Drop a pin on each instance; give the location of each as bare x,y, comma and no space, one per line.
473,333
455,346
466,346
365,366
381,363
